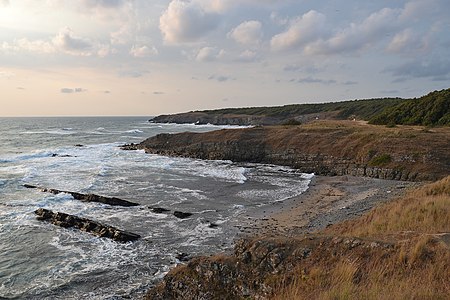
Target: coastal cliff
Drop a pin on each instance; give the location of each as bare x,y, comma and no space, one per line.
400,250
323,148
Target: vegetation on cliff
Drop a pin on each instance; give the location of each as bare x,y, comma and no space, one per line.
430,110
400,250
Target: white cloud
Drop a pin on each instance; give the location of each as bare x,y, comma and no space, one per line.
402,41
247,33
23,44
143,51
356,36
302,30
68,42
186,22
248,56
209,54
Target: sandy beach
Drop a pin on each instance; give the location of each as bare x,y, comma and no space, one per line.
328,200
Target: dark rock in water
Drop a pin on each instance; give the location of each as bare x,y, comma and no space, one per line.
62,155
183,257
79,145
159,210
131,146
86,197
213,225
181,215
67,221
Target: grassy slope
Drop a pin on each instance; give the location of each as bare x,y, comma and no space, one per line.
429,110
418,267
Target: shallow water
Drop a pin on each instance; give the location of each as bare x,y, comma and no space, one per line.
42,261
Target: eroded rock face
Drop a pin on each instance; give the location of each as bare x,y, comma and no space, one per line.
86,197
411,155
67,221
256,267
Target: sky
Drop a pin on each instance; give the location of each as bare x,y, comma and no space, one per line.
140,57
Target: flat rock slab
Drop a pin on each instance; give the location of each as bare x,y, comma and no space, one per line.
67,221
86,197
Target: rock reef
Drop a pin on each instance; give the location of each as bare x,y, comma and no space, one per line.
67,221
86,197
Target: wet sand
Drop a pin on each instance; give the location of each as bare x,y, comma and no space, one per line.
328,200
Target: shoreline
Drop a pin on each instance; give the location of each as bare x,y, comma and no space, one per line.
328,200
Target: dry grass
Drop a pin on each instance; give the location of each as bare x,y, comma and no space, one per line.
423,210
417,267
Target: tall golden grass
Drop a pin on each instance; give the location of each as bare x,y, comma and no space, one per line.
417,267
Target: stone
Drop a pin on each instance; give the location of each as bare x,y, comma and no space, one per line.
86,197
181,215
67,221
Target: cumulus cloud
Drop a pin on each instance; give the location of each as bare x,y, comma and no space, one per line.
143,51
186,22
357,36
408,41
247,33
72,90
247,56
209,54
69,43
301,30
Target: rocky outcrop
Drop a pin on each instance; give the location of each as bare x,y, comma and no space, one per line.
259,266
336,148
71,221
86,197
201,118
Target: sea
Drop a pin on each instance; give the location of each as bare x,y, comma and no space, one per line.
39,260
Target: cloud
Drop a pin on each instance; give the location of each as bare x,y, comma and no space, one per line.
4,2
209,54
68,42
72,91
220,78
437,70
408,41
104,3
316,80
143,51
132,73
301,30
309,69
7,75
350,82
247,56
247,33
357,36
186,22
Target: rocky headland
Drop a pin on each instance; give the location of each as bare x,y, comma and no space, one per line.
322,147
326,244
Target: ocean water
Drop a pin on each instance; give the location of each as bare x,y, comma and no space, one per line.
41,261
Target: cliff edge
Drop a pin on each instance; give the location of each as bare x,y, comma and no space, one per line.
322,147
